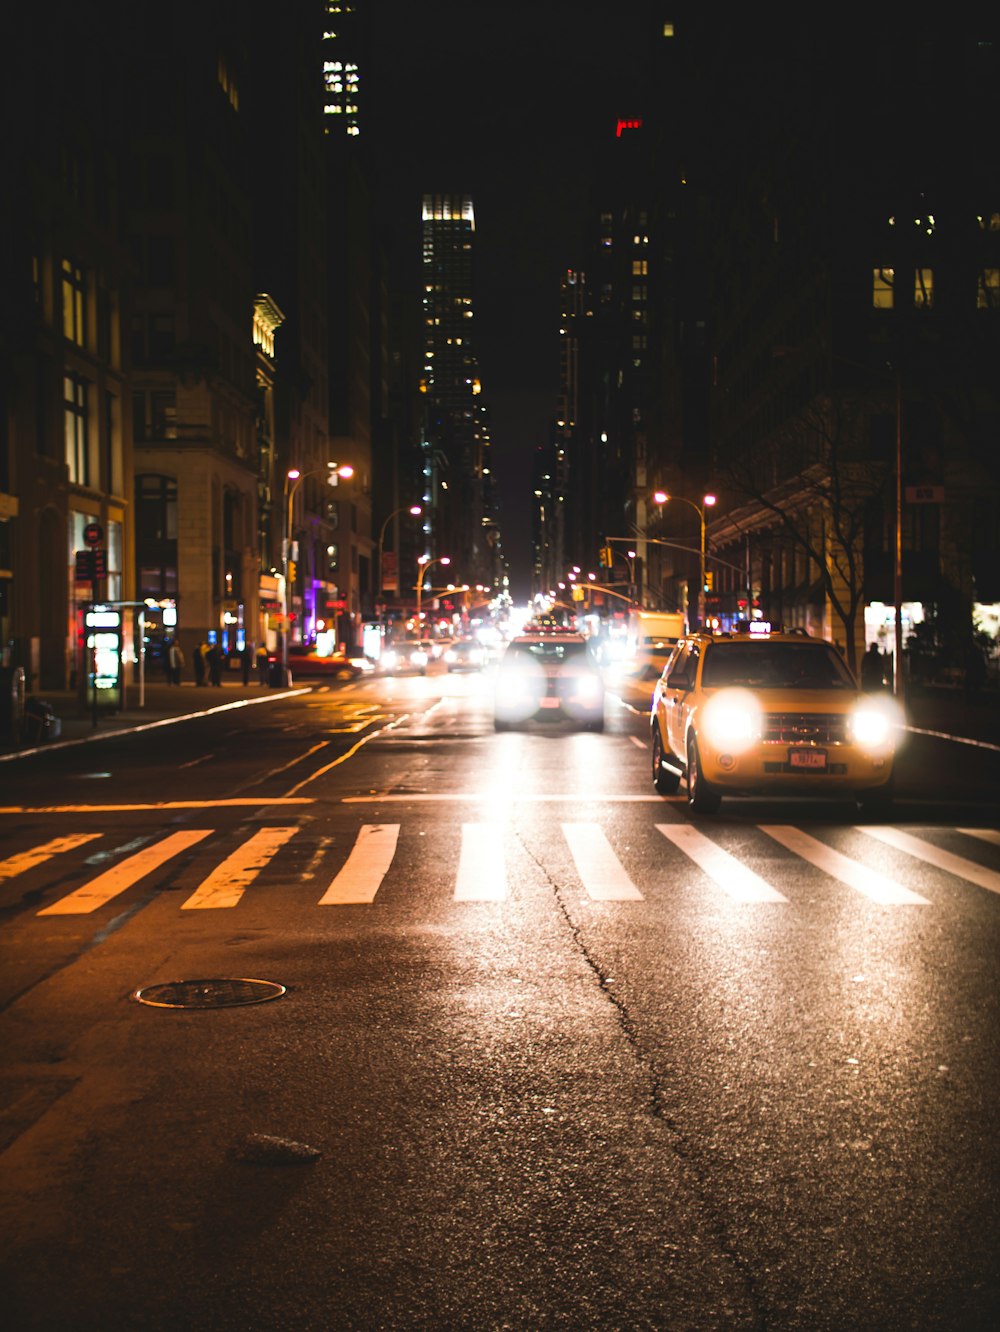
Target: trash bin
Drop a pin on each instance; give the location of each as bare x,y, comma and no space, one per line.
11,702
40,722
278,676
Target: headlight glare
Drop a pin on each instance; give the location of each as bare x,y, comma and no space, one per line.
731,720
874,723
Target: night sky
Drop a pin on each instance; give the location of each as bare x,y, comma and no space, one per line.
505,103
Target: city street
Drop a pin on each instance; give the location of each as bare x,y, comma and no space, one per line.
550,1052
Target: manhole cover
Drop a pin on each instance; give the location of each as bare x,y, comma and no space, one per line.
224,993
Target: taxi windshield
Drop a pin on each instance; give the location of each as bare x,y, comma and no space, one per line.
764,665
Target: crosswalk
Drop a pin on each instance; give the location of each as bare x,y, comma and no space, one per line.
478,864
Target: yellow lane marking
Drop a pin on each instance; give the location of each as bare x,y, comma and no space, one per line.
101,890
227,883
27,860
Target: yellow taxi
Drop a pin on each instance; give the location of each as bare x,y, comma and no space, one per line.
769,714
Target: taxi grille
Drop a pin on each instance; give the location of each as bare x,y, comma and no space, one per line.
804,728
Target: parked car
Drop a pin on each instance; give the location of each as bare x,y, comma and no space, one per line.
339,666
769,714
549,677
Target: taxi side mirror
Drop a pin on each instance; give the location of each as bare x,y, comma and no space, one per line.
678,680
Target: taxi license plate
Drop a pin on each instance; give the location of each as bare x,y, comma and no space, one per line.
814,759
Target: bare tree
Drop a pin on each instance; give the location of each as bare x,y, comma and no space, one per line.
816,477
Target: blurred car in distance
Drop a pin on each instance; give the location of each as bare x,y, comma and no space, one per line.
404,656
550,676
769,714
465,654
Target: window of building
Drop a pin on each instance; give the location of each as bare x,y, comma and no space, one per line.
111,445
883,288
74,306
154,415
77,443
923,288
156,535
640,267
988,296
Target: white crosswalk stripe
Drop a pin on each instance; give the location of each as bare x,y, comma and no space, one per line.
934,855
482,873
481,869
26,860
98,892
229,881
732,876
366,867
602,873
878,887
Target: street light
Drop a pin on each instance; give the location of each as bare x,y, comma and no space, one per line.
413,509
333,472
424,564
661,497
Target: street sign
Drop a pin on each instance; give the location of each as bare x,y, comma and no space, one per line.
93,534
925,494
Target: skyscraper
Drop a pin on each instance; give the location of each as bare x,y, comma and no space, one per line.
341,69
457,470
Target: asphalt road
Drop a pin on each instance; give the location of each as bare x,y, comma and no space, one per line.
550,1053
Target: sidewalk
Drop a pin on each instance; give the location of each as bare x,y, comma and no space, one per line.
162,705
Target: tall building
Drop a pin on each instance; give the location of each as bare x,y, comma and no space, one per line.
458,471
342,68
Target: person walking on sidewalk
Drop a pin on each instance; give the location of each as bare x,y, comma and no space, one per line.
214,658
175,660
246,661
262,665
199,663
872,670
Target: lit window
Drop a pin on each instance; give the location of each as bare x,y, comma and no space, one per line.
988,297
77,453
883,288
73,307
923,288
640,267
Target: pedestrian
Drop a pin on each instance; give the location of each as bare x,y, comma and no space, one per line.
175,659
246,661
199,663
262,665
214,658
872,670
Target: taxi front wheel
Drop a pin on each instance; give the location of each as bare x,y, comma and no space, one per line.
665,780
703,798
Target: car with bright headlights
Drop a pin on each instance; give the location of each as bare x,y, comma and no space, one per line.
465,654
404,656
549,676
769,714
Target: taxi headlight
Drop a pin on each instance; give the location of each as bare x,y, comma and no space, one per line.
388,659
874,723
731,720
418,657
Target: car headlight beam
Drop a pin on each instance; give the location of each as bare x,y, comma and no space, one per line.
731,720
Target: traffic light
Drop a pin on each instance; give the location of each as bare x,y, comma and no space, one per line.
709,580
607,557
292,571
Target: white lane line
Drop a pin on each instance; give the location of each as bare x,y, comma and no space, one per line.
482,869
27,860
115,880
603,874
640,744
156,806
933,855
366,866
985,834
878,887
227,883
730,874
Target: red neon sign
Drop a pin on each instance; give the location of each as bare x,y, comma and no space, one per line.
626,125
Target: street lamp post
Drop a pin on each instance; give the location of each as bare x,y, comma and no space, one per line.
661,497
423,565
332,471
413,509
